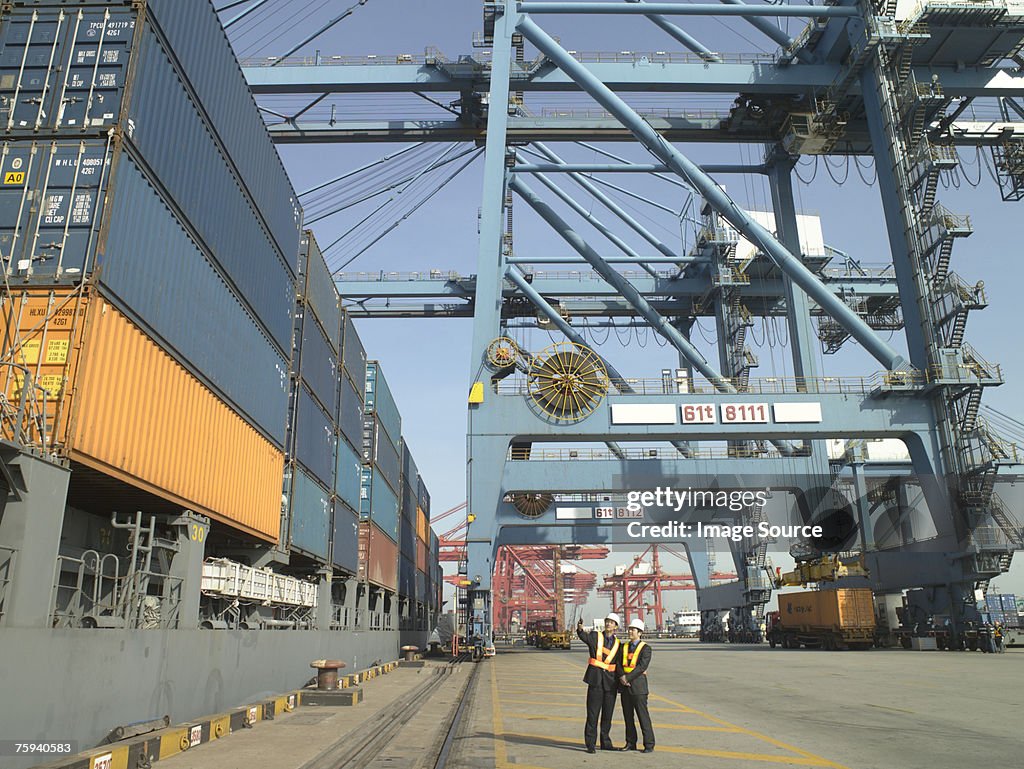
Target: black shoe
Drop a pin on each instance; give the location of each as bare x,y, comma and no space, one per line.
628,747
609,746
648,749
591,749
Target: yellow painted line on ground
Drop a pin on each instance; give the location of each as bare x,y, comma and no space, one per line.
497,727
736,755
818,760
581,703
519,689
681,727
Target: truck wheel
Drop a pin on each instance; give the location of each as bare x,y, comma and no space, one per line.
905,642
973,644
771,642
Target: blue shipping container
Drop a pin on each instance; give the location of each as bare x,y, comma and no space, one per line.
317,363
354,356
409,469
315,439
196,35
407,538
380,401
164,281
82,62
319,292
204,188
68,68
408,500
378,503
345,553
350,413
423,496
65,179
379,451
406,577
422,589
347,475
310,518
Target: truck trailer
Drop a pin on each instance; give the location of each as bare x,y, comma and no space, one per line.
843,618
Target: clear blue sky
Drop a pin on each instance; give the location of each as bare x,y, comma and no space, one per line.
426,361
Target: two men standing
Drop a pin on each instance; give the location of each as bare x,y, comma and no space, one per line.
614,667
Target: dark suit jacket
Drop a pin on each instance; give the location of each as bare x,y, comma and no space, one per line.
596,676
638,681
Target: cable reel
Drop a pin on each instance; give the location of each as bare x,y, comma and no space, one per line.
567,381
504,353
531,504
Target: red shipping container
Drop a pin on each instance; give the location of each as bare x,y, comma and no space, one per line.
421,555
378,557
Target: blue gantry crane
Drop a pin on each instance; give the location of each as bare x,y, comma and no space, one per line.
902,86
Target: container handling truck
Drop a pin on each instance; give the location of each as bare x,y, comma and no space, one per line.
843,618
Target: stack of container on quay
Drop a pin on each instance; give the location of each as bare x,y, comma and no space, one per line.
188,374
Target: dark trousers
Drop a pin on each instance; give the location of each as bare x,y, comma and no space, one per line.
600,702
637,704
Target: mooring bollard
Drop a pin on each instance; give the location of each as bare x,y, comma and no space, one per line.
327,673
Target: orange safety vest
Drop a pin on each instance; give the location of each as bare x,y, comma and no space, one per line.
629,664
603,661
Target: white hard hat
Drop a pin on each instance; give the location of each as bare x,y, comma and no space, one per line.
614,618
638,624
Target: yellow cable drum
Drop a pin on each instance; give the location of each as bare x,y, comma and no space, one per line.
567,381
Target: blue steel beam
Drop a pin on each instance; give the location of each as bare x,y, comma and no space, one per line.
592,220
692,9
619,168
658,323
716,196
681,36
590,284
844,415
609,204
769,29
671,77
704,129
758,78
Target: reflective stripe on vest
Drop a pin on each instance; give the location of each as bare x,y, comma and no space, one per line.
605,662
627,663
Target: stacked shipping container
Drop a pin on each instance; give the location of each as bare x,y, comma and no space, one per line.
123,244
312,431
380,484
191,342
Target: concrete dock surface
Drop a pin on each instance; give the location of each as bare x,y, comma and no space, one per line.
714,706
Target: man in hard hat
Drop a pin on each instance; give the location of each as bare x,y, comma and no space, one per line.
636,658
600,680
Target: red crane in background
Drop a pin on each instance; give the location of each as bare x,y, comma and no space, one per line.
638,587
529,581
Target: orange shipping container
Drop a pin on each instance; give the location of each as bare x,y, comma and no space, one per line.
122,406
422,525
845,608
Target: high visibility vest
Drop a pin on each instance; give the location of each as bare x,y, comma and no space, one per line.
628,663
602,660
